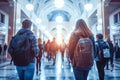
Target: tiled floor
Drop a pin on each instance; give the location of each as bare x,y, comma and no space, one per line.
58,72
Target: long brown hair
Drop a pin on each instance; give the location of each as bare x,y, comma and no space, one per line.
84,30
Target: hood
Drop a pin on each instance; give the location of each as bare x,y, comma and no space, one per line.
22,31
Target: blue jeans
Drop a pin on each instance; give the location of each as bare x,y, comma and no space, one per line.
81,73
26,72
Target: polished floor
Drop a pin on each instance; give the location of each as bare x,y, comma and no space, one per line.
61,71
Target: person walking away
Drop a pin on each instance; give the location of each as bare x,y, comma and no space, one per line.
5,48
38,63
0,49
54,49
48,50
102,55
23,49
44,49
4,51
111,53
117,51
81,50
62,49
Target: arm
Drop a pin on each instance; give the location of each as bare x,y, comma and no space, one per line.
10,48
94,46
72,45
34,43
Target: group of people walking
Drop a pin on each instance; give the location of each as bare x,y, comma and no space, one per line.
82,51
51,48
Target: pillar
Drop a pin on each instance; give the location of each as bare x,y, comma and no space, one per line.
103,14
18,17
12,20
106,29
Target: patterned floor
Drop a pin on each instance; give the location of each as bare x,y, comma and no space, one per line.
61,71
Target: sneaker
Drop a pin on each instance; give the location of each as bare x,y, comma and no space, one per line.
36,72
53,63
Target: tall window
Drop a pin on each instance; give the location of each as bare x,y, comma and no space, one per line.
117,18
2,18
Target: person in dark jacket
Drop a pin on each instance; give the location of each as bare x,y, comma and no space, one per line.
0,49
100,61
5,48
27,72
38,63
81,30
117,51
111,52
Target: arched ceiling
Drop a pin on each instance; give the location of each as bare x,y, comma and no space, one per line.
52,16
71,11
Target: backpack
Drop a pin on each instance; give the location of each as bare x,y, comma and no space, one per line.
104,50
20,50
83,56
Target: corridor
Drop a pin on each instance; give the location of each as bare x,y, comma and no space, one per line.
58,72
57,19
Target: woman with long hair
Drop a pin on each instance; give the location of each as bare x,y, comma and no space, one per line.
81,31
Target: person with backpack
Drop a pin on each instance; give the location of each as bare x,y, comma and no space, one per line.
23,49
102,55
81,50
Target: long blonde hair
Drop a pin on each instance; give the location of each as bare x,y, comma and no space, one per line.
84,30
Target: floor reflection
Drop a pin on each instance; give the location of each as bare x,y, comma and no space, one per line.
61,71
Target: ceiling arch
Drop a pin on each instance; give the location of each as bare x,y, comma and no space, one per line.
65,15
68,7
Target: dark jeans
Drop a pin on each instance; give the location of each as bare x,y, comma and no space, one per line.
62,52
80,74
38,64
100,66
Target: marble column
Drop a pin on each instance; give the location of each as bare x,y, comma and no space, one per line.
18,17
103,15
106,29
12,20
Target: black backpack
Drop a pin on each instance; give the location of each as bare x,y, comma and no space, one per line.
83,55
104,49
20,49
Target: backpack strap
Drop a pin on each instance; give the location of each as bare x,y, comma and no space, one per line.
99,50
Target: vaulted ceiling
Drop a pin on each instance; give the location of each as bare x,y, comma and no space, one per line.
47,11
71,11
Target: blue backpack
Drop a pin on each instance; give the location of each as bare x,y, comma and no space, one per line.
20,49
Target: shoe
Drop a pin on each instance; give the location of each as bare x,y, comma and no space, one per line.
53,63
36,72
